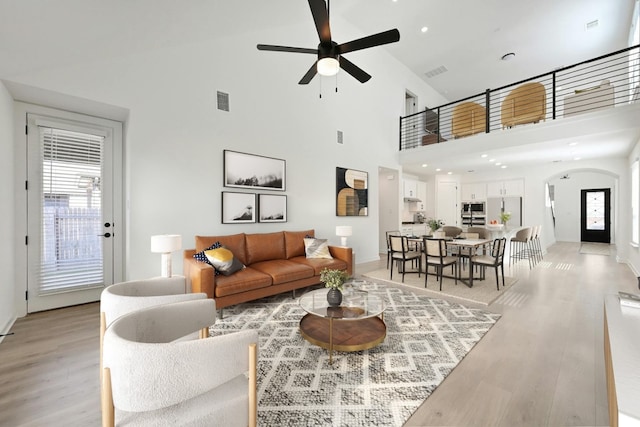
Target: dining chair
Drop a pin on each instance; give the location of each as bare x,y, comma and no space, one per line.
401,254
435,251
151,378
494,259
482,232
451,231
390,233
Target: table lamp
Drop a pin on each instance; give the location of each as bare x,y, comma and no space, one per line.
165,244
344,231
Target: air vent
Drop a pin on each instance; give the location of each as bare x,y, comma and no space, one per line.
591,25
441,69
223,101
340,141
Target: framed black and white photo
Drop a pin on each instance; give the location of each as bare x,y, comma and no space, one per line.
238,208
272,208
244,170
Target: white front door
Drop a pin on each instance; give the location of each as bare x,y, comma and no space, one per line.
71,230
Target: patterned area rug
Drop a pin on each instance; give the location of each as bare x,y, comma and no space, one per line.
426,339
595,248
483,291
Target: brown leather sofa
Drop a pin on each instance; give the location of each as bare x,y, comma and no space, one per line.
275,263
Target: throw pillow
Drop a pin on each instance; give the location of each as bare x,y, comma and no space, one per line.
317,248
200,256
223,260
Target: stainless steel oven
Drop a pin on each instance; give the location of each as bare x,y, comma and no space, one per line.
474,208
474,213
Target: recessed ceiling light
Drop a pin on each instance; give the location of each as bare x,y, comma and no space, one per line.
503,166
449,173
424,29
498,164
573,144
438,170
577,158
508,56
484,155
424,165
492,160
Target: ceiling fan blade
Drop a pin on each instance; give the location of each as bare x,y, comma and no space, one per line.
310,74
354,70
385,37
321,18
274,48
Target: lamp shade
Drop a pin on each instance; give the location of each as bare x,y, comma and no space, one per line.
344,230
166,243
328,66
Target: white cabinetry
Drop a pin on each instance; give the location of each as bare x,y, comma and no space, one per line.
472,192
410,188
422,195
512,187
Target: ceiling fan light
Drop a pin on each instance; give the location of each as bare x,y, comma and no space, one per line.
328,66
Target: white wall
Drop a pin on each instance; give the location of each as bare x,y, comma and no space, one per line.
568,202
633,251
7,237
175,136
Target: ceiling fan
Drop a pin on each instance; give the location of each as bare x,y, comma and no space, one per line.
330,53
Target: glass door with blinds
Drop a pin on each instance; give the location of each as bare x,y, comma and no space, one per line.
71,231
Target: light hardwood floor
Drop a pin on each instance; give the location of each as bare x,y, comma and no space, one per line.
541,364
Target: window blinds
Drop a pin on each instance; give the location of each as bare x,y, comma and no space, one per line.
71,218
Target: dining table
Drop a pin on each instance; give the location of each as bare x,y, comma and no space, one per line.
467,248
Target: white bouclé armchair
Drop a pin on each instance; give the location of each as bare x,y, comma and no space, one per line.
151,379
122,298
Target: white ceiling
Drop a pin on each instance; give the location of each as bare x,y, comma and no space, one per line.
468,37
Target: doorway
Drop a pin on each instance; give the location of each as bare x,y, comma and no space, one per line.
595,215
73,225
447,203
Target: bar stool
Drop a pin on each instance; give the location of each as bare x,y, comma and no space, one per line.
520,242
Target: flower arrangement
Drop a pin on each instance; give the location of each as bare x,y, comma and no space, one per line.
505,216
435,224
333,279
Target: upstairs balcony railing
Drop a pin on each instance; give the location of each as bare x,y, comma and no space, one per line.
604,82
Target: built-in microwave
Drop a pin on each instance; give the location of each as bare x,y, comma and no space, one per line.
473,208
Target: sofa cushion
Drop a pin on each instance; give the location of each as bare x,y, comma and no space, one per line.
244,280
283,271
317,264
234,242
264,247
294,242
223,260
317,248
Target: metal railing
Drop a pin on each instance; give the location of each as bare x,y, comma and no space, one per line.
607,81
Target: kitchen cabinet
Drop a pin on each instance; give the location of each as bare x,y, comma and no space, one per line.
512,187
421,193
472,192
410,188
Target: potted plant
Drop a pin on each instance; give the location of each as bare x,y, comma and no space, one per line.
333,279
504,217
434,224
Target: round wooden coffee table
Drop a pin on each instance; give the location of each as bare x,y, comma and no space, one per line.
357,324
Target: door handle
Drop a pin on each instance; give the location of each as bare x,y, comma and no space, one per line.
105,235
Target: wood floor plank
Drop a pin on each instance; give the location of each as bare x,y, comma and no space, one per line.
542,364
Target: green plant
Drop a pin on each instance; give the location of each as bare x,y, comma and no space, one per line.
505,216
435,224
333,279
